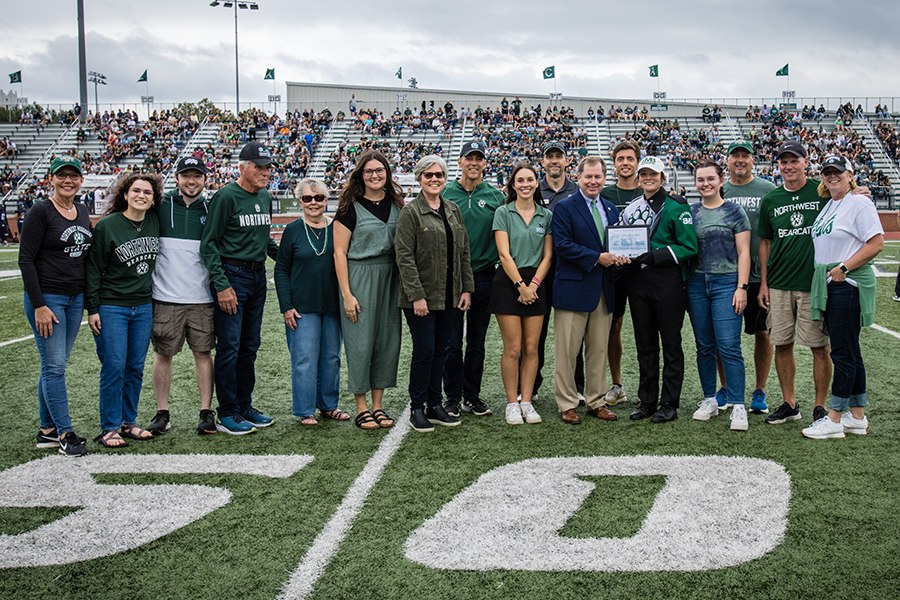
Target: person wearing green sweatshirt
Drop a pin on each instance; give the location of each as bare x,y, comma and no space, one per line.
234,246
656,290
118,300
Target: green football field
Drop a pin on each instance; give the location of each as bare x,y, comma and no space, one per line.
681,510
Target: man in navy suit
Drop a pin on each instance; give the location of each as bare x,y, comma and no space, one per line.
583,291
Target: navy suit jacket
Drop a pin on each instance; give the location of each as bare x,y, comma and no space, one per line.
580,279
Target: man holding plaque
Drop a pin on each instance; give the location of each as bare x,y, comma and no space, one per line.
583,291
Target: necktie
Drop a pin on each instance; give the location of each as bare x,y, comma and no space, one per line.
598,221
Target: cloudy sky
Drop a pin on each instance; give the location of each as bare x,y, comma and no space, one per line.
704,48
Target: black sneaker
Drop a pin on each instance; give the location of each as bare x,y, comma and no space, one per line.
436,415
207,422
160,423
71,445
476,407
452,408
47,440
418,421
51,439
783,414
819,412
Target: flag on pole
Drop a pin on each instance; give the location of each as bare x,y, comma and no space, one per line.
654,71
15,77
550,72
399,73
270,74
782,72
143,77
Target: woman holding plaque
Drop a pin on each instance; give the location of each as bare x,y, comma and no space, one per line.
717,291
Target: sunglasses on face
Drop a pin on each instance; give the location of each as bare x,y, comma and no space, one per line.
316,198
433,175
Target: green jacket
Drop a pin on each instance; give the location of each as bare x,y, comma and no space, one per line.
421,247
477,210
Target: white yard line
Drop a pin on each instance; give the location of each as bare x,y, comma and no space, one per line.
304,577
885,330
24,339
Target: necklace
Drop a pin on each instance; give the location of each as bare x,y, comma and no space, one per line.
309,239
136,224
68,210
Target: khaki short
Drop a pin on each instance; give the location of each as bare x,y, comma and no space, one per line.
173,323
789,311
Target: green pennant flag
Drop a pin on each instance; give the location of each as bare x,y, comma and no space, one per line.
15,77
399,73
550,72
782,72
270,74
143,77
654,71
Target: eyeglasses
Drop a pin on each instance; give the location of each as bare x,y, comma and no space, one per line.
141,191
369,172
68,175
433,175
317,198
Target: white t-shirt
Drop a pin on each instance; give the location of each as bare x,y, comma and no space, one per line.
843,227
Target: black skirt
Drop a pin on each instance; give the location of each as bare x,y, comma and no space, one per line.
505,296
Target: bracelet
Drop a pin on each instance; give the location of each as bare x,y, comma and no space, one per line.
535,279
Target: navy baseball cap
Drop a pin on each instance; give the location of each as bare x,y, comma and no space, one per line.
791,147
257,153
471,147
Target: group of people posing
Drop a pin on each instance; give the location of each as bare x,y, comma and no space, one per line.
792,263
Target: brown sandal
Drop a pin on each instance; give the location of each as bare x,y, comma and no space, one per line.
364,420
335,415
106,439
133,432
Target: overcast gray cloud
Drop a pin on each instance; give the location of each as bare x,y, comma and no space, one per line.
704,49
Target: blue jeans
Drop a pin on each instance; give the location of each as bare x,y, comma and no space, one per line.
848,388
237,340
430,335
716,327
315,347
53,400
122,347
463,377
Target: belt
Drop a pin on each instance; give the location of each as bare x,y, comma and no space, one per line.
245,264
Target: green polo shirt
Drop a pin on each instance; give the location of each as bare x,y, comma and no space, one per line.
526,240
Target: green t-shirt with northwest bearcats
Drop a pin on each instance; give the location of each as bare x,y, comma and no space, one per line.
786,218
121,261
237,227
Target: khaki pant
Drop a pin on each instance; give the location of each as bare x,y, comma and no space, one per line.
569,329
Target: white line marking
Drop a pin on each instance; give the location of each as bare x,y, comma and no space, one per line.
885,330
25,339
304,577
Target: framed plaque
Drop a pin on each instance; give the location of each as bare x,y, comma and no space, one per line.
628,240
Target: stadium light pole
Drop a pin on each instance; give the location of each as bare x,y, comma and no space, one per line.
237,77
82,63
96,78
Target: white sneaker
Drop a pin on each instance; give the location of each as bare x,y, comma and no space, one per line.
739,418
531,415
615,394
514,414
822,429
708,408
857,426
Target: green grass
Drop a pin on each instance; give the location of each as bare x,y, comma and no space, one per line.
841,540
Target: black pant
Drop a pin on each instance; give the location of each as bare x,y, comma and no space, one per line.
656,296
430,335
897,285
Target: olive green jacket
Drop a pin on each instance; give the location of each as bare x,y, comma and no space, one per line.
421,247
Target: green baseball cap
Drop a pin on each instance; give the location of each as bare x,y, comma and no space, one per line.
66,161
742,144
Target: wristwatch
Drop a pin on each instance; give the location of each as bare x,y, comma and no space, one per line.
519,284
743,286
844,268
